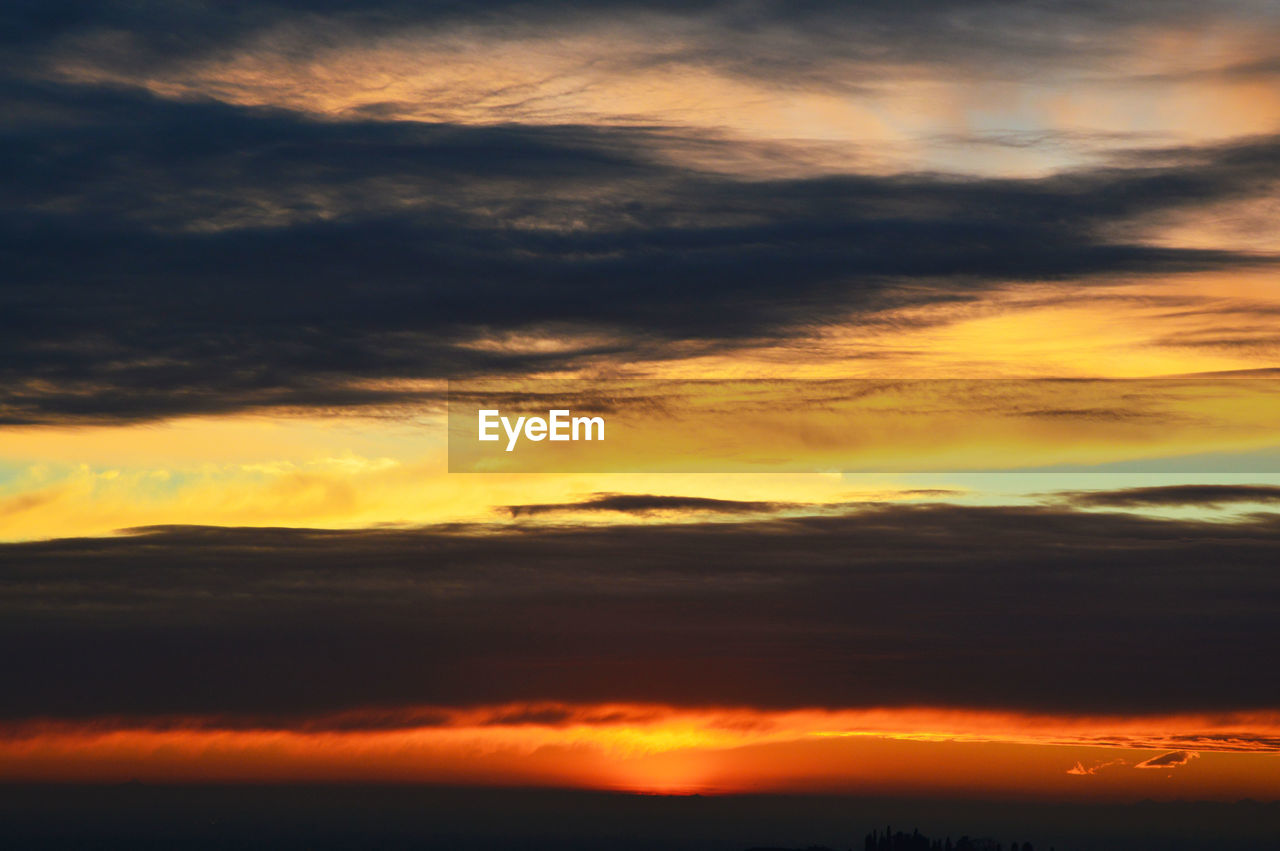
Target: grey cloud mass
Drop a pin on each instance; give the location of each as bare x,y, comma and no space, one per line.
1173,495
176,257
1008,608
181,254
648,504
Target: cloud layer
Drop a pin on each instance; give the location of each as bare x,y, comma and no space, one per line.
1025,609
1174,495
183,232
159,268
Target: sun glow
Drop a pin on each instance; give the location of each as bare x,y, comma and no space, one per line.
656,749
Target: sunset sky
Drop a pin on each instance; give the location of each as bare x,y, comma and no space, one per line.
250,250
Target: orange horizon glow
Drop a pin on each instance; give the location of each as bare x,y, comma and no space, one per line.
659,749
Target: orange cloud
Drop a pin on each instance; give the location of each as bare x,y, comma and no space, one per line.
650,748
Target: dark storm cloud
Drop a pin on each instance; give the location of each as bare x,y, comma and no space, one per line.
164,258
649,503
1173,495
1017,608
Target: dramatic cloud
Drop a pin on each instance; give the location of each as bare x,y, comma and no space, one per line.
293,229
1025,609
324,204
158,267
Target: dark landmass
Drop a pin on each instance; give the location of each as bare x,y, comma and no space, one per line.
137,816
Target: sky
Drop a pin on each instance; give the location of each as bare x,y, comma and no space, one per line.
998,520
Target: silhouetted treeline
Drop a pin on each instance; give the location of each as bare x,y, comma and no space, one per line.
916,841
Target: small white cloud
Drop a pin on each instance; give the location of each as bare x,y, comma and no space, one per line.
1080,769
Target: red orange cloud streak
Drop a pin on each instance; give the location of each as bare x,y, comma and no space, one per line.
661,749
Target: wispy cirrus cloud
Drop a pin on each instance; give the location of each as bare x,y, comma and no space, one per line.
822,70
